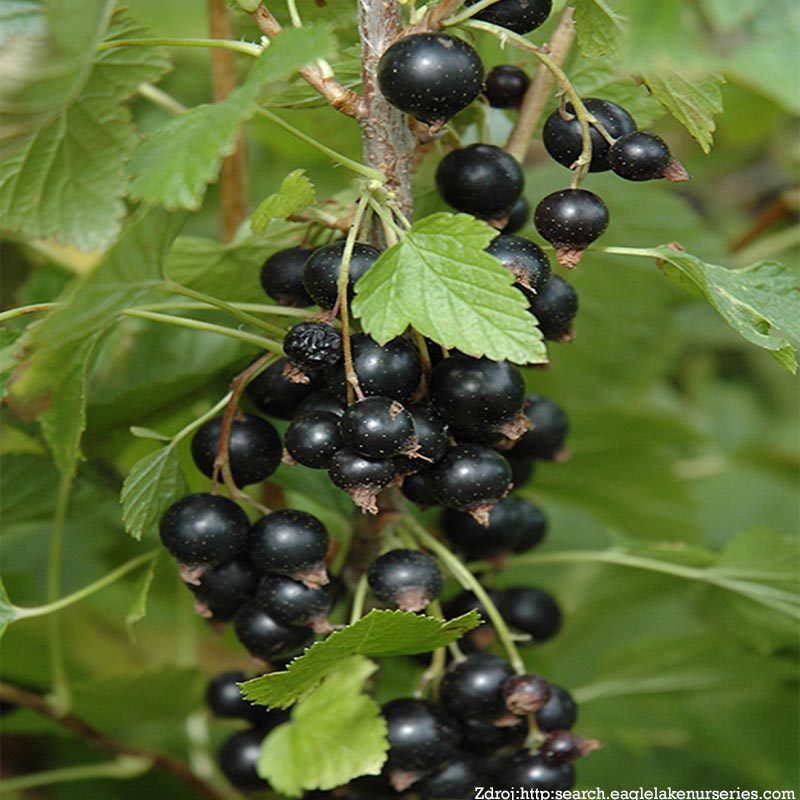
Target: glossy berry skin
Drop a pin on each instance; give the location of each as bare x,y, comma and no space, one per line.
351,471
562,747
555,308
282,277
224,699
275,395
522,469
204,529
470,476
525,771
506,86
520,16
224,589
525,260
482,736
532,526
404,578
563,138
288,542
422,736
321,401
291,602
266,638
377,427
481,179
571,218
321,272
474,687
417,489
559,713
476,541
313,439
549,429
431,76
254,448
313,345
238,758
639,156
456,781
433,438
390,370
531,611
518,216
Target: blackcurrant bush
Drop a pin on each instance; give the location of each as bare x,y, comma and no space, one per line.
321,401
639,156
531,611
532,527
361,477
474,687
548,432
482,736
275,395
238,759
417,489
562,747
313,439
518,216
525,260
291,543
282,277
223,590
555,308
407,579
254,448
520,16
313,345
506,86
293,603
559,713
456,781
204,529
476,541
563,137
433,438
224,699
525,771
431,76
266,638
481,179
378,427
321,273
526,694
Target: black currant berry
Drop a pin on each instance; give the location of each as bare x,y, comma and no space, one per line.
555,308
321,401
559,713
417,489
506,86
390,370
282,277
562,747
525,771
639,156
456,781
482,736
525,260
321,273
532,527
548,432
571,220
520,16
531,611
522,469
224,699
563,138
526,694
361,477
472,478
254,448
476,541
484,635
431,76
238,758
266,638
223,590
473,687
275,395
204,529
293,603
313,345
378,427
313,439
518,216
407,579
292,543
482,180
433,438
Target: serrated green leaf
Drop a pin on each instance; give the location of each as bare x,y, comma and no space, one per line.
440,280
379,633
761,302
296,192
601,28
138,609
176,163
335,734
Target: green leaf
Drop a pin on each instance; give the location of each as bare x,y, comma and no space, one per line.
153,485
440,281
138,609
7,611
601,28
379,633
761,301
175,164
296,193
336,734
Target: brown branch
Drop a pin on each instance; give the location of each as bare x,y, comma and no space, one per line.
36,703
535,99
432,21
344,100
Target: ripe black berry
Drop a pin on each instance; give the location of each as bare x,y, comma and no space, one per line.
474,687
525,260
433,439
282,277
238,758
562,747
482,180
293,603
520,16
478,638
526,694
313,345
431,76
525,771
639,156
204,529
532,526
254,448
266,638
291,543
321,273
321,401
563,138
522,469
456,781
377,427
549,429
482,736
417,489
407,579
476,541
361,477
224,699
313,438
518,216
571,220
277,396
223,590
506,86
531,611
555,308
559,713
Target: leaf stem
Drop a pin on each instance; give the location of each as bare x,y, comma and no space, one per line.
248,49
257,308
19,311
121,768
158,97
359,597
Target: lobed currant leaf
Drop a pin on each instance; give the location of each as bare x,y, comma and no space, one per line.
295,193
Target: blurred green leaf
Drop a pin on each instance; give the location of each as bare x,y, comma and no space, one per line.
295,193
7,611
138,609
